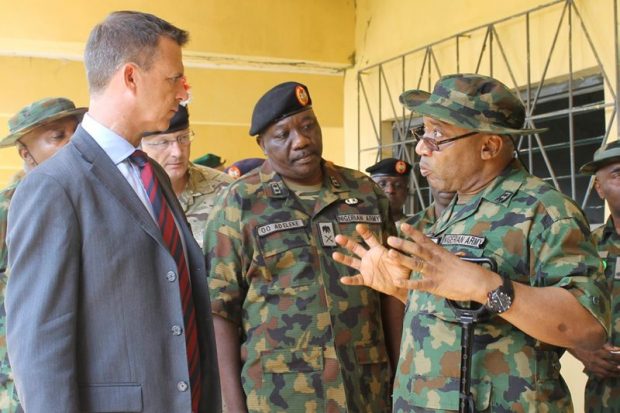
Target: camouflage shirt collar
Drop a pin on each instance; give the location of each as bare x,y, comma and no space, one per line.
500,191
609,230
506,184
199,183
275,187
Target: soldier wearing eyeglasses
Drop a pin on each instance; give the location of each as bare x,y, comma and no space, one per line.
547,294
195,185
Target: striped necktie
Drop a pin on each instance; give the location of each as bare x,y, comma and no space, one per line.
172,240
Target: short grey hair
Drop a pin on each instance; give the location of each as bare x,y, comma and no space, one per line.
123,37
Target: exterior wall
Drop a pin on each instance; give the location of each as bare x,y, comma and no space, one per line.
238,49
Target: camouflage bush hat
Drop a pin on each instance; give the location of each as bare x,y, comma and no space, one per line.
603,156
37,114
473,102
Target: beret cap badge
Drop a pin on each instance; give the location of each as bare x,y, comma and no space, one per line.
302,96
400,167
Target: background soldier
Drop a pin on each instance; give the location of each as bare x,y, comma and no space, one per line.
603,365
194,185
38,130
392,175
548,292
307,343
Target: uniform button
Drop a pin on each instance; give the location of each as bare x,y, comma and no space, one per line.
182,386
171,276
595,300
176,330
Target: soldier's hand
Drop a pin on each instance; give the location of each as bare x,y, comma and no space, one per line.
441,272
376,269
600,363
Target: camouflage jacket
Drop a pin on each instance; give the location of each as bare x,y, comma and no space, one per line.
199,195
309,343
604,395
423,221
538,237
8,393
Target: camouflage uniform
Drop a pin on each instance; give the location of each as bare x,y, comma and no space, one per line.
538,237
8,394
199,195
309,343
423,220
604,395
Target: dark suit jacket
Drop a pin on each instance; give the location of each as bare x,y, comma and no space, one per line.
93,293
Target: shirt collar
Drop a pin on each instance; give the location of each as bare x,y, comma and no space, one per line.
114,145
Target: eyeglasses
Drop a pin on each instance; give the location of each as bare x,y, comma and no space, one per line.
432,143
161,144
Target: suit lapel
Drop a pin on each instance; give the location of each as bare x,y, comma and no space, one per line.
104,170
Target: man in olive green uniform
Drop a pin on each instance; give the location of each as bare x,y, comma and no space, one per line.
547,294
291,338
38,131
194,185
603,365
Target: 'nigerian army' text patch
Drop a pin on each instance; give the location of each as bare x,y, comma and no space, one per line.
461,239
279,226
366,218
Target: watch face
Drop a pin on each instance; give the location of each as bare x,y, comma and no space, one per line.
499,301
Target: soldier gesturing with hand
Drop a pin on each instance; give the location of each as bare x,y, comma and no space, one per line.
548,292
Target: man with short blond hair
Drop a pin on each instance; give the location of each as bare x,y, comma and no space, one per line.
107,303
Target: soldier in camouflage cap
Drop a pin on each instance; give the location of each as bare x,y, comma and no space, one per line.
38,131
603,365
290,337
548,292
194,185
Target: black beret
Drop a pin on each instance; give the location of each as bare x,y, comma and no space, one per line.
179,121
282,101
390,167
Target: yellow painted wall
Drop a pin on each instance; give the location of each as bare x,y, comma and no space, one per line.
41,47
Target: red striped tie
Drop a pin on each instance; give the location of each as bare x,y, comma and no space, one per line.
172,239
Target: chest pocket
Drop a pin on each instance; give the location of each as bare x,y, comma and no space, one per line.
286,254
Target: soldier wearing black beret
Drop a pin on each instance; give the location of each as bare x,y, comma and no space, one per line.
274,286
392,175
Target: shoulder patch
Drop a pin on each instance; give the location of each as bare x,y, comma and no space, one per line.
328,236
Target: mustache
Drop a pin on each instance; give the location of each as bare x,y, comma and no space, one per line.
304,154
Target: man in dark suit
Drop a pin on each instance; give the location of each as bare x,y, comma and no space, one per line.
107,303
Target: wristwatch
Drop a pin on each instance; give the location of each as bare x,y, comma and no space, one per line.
500,299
